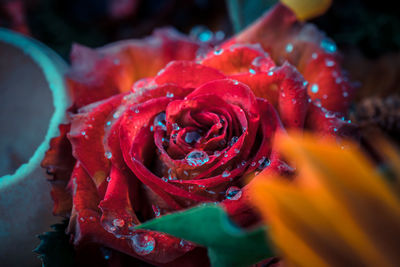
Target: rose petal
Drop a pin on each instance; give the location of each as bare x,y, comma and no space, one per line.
118,216
293,97
237,58
324,122
100,73
187,74
328,84
285,38
59,163
86,137
86,228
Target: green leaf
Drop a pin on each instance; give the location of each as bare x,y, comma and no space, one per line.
244,12
208,225
55,249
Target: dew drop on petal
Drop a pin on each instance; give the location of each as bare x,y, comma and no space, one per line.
218,51
328,45
233,140
264,163
314,88
159,120
108,154
289,48
169,95
143,244
108,179
329,63
197,158
314,55
345,94
252,71
192,137
233,193
226,174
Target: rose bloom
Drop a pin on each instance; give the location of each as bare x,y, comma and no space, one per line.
165,123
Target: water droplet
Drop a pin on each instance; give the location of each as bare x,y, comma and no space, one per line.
108,123
305,83
156,210
116,114
151,128
252,71
335,129
205,36
264,163
106,253
108,154
314,88
325,96
83,133
136,110
217,153
294,101
192,137
270,73
237,150
218,51
197,158
233,140
235,82
226,174
233,193
159,120
143,244
314,55
243,163
338,80
169,95
253,164
328,45
118,223
329,63
108,179
345,94
289,48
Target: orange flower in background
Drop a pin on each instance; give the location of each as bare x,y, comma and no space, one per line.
339,211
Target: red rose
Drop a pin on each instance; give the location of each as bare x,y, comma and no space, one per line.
190,134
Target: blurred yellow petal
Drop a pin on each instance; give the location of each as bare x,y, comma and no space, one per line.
338,210
307,9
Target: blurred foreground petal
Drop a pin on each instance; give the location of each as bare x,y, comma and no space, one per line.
338,212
